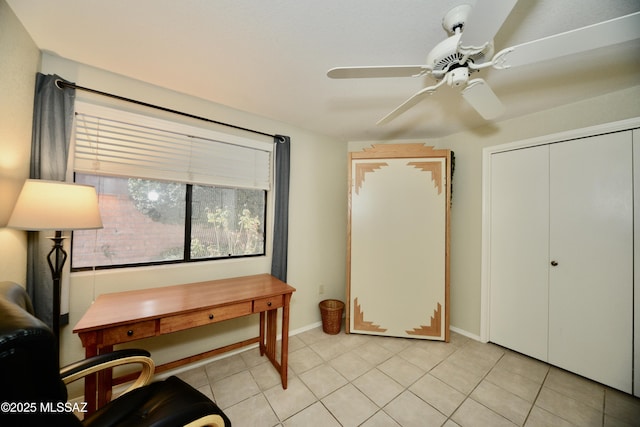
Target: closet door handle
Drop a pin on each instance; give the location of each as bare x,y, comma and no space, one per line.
554,263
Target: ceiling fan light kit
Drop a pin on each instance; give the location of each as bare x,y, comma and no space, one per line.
458,77
469,49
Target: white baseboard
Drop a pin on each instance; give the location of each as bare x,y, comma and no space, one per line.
465,333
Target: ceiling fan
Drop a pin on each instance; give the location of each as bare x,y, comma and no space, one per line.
469,49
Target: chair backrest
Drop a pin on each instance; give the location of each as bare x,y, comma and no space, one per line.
29,361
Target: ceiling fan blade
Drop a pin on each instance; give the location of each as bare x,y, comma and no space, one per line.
606,33
483,23
481,97
406,105
378,71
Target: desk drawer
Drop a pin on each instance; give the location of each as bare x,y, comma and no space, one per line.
203,317
124,333
265,304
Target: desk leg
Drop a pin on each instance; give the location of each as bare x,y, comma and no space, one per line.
284,350
105,381
268,339
272,329
262,335
90,382
99,384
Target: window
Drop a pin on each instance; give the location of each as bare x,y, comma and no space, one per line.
145,222
165,195
226,222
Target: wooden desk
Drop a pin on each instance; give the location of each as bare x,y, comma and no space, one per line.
128,316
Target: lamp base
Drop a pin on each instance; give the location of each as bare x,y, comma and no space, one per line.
56,259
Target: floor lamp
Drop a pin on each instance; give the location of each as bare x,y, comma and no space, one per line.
56,206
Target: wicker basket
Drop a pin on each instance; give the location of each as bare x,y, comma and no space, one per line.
331,311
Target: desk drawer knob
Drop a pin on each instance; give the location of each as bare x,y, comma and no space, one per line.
269,304
211,316
130,332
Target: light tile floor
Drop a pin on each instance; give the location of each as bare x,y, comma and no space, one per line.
358,380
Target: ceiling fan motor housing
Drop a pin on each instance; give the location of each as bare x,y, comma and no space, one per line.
445,56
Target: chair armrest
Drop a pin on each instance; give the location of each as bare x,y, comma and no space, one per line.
213,420
82,368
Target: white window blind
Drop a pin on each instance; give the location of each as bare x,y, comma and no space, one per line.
114,142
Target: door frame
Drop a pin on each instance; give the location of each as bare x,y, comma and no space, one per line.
487,152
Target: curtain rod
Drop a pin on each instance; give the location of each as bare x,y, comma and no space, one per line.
62,84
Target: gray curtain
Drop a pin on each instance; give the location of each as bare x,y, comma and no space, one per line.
281,223
51,135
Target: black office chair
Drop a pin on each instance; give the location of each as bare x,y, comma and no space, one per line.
33,388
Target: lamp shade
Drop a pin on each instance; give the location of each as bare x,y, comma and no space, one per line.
55,205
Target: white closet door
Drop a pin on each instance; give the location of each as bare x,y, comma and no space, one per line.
591,240
519,250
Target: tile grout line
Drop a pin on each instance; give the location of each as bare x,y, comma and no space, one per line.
468,396
537,395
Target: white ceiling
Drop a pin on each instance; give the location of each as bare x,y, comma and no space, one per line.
270,57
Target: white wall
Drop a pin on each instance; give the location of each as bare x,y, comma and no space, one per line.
466,211
19,63
316,231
